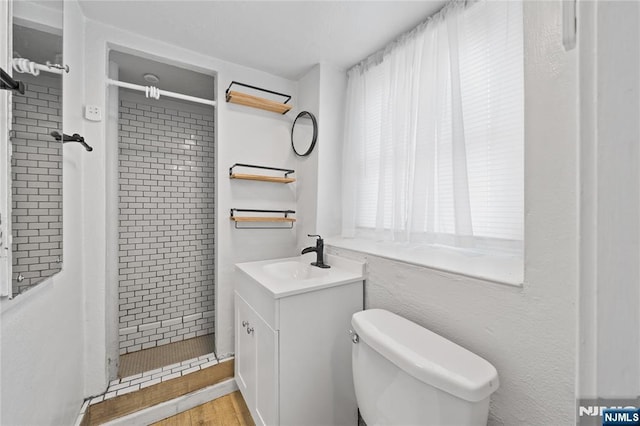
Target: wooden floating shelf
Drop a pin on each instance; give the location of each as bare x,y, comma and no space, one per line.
263,219
257,102
262,178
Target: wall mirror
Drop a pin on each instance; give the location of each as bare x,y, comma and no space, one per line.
36,160
304,133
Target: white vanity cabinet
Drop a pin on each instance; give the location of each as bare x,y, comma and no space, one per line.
256,364
292,347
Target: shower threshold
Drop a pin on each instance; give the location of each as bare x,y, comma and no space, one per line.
161,356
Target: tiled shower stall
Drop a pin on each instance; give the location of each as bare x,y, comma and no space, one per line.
166,223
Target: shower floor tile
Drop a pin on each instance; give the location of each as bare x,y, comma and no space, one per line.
161,356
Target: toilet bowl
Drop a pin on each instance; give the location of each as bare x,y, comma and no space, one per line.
407,375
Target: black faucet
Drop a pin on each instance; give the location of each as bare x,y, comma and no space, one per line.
319,249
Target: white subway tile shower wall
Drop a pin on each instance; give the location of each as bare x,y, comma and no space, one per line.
135,338
36,193
166,242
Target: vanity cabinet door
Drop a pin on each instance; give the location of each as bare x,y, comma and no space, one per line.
266,401
245,357
256,363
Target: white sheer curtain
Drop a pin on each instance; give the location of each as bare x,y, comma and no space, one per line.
434,133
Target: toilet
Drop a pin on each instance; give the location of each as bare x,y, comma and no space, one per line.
406,375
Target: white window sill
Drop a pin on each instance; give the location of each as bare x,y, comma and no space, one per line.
494,268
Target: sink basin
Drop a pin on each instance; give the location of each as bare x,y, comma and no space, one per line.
293,270
294,275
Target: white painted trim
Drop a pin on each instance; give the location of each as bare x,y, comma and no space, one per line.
112,102
586,338
176,405
5,158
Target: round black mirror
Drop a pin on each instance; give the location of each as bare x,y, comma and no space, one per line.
304,133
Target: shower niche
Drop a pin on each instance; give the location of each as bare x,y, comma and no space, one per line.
166,195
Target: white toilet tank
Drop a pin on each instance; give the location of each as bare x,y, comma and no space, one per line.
406,375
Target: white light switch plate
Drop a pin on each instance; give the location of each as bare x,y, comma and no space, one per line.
93,113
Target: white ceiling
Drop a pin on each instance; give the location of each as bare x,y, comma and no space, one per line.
284,38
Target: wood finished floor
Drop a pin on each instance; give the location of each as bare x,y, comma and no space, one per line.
229,410
119,406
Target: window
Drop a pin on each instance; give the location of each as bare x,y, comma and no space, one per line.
434,135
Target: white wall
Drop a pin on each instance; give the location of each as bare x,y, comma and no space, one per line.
610,208
243,135
42,330
528,333
307,167
618,199
333,88
322,92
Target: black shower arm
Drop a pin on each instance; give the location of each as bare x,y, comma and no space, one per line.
8,83
73,138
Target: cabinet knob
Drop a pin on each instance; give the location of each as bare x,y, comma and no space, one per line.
245,323
354,336
249,330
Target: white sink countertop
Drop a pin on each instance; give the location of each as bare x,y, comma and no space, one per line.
295,275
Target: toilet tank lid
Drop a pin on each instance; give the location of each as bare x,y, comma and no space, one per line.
425,355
